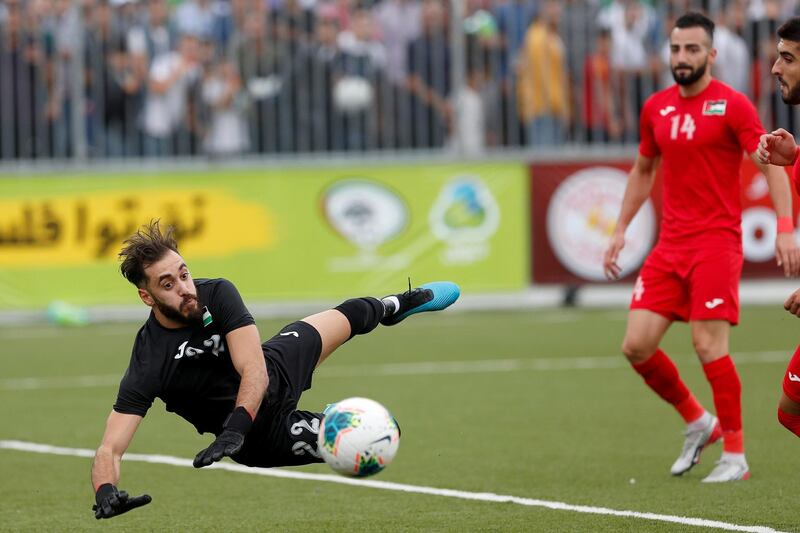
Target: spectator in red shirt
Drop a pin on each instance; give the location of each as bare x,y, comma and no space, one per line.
600,114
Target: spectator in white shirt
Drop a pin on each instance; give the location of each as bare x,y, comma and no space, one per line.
226,132
172,76
396,36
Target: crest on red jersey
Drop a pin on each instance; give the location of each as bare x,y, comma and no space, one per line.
714,107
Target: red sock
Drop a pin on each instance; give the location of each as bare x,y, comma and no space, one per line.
790,422
661,375
727,390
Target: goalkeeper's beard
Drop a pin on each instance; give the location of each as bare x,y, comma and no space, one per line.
195,316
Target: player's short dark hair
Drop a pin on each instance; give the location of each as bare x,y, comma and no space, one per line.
693,19
790,30
143,248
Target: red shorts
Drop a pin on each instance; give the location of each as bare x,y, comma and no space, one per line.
791,381
690,284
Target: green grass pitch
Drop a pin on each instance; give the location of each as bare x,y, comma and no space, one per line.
517,413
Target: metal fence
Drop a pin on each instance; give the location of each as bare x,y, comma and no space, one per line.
100,79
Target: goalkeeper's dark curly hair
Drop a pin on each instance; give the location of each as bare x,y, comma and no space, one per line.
143,248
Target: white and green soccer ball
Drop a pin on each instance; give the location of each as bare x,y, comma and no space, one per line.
358,437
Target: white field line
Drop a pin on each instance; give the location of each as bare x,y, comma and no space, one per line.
385,485
66,382
111,329
423,368
50,331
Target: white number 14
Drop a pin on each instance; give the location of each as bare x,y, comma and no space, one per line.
686,128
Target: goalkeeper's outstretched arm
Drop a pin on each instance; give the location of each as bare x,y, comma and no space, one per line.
109,501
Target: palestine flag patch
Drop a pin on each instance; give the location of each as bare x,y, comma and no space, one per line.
714,107
207,318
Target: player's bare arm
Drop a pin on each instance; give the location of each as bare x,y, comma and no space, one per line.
640,183
787,254
248,359
118,434
777,148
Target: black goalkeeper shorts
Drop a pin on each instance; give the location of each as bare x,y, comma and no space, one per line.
282,435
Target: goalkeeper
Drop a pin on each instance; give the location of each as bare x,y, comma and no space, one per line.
201,354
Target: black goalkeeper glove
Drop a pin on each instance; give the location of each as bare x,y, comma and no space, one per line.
229,441
111,502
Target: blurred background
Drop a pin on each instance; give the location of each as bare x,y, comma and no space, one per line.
107,79
485,141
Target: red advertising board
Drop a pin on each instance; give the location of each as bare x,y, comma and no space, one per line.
574,207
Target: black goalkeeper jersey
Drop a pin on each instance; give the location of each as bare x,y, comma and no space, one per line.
189,368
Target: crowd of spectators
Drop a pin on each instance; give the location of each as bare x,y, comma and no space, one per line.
132,78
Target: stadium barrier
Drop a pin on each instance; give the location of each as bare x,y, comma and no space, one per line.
96,81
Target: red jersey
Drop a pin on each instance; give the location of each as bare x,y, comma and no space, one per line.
700,139
796,175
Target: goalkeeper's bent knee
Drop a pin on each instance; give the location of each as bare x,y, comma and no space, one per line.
789,421
363,314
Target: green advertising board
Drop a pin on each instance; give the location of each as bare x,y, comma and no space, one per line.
287,234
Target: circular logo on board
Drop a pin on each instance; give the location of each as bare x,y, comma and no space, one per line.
581,217
758,234
364,212
464,211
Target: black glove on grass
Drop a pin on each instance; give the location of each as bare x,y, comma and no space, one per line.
112,502
229,441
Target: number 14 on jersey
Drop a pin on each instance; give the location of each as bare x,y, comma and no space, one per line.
682,124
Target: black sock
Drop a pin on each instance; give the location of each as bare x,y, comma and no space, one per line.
364,314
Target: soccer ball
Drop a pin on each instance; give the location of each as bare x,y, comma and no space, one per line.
358,437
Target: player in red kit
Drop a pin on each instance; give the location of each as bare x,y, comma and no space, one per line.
696,130
779,148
